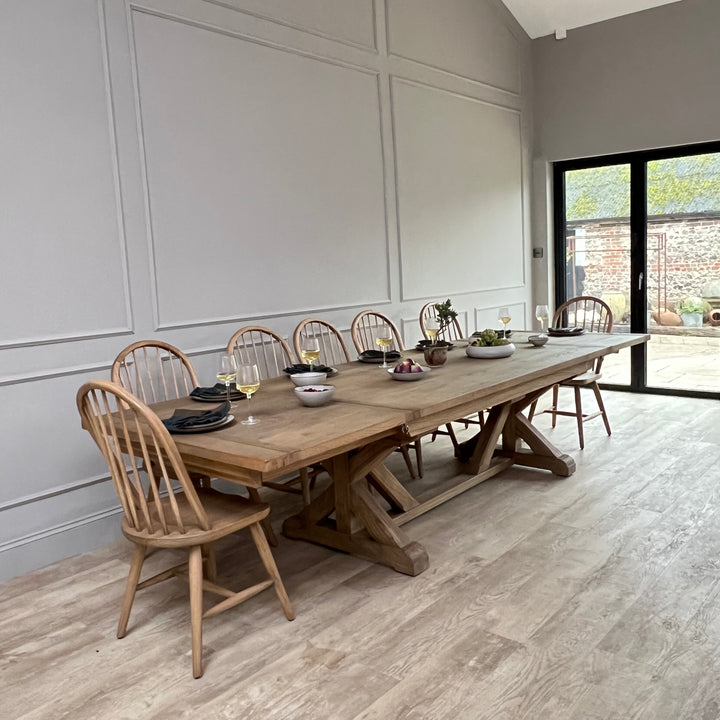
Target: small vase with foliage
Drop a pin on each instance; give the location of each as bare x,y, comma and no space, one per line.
691,310
445,317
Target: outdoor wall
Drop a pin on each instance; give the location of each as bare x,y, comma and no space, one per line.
683,258
641,81
176,169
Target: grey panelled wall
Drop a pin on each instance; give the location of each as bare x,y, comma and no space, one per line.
178,169
646,80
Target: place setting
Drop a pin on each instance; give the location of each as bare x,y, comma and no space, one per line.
191,421
312,372
226,375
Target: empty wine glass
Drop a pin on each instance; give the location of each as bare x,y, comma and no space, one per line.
504,318
310,350
227,371
248,381
384,339
542,313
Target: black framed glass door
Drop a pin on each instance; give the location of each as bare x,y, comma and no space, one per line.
642,232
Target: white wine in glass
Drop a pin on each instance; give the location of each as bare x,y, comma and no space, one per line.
248,381
384,339
504,318
542,313
310,350
431,329
227,371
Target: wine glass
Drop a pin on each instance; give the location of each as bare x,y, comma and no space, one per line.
310,350
384,339
227,371
431,329
504,318
542,313
248,382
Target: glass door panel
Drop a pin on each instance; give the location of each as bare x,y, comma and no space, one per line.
683,272
597,248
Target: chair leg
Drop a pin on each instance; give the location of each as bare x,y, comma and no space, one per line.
267,527
556,390
481,419
531,413
208,552
579,414
418,454
269,563
601,405
408,461
130,587
453,439
196,583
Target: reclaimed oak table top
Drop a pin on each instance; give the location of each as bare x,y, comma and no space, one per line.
369,416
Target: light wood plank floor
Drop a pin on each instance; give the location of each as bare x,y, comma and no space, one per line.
595,596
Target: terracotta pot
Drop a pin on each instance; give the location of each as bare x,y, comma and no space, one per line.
435,355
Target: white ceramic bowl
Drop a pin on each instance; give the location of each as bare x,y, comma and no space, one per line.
490,351
315,395
538,340
409,377
308,378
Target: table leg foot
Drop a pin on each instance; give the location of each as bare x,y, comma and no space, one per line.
411,559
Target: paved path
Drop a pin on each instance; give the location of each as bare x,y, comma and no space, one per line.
687,363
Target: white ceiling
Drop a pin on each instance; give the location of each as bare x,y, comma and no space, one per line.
544,17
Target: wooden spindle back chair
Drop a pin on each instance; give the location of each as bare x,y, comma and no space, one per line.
363,330
595,316
364,327
154,371
263,347
452,331
333,348
162,508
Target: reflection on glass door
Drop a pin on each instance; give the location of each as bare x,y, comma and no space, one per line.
642,232
683,242
597,248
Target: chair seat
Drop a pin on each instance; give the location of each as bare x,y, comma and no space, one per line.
226,514
587,378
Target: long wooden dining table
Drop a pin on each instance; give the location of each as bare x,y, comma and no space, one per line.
364,507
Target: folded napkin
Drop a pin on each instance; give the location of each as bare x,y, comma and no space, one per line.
377,355
301,368
184,419
216,392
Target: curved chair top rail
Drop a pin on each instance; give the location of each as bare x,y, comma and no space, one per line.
364,328
586,311
453,330
263,347
154,370
333,348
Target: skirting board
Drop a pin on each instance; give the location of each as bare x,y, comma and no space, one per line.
48,546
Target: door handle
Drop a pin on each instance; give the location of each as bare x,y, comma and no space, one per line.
641,277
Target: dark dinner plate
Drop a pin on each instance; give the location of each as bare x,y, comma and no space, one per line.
376,356
303,368
204,428
566,332
215,393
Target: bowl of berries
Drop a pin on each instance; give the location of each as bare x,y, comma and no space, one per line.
488,345
315,395
408,370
